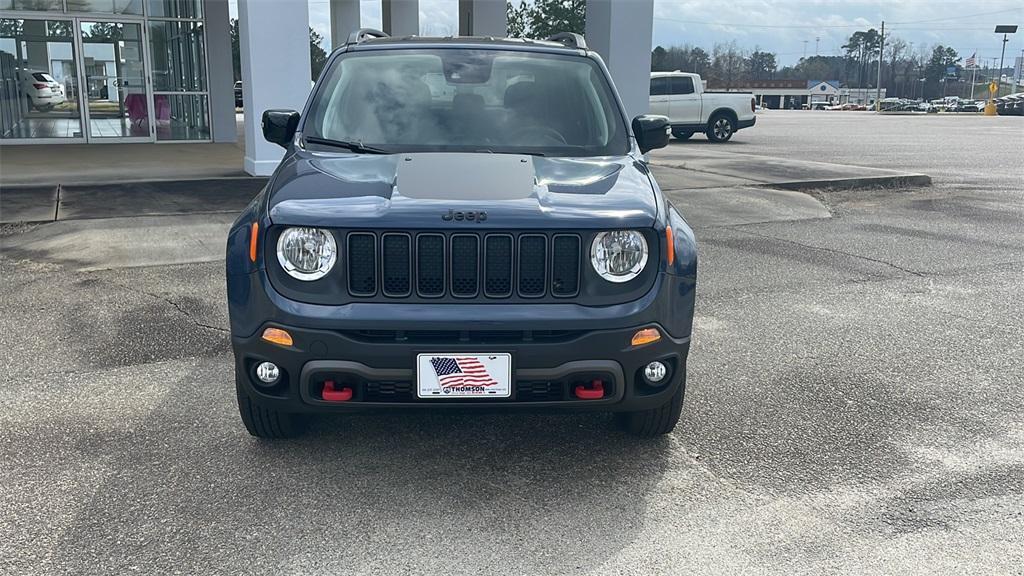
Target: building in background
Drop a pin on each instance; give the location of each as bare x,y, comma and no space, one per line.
802,94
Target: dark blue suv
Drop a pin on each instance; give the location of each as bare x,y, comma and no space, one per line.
461,223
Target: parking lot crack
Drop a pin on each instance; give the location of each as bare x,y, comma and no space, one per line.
174,305
832,250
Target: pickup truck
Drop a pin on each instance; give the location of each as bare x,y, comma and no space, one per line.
690,109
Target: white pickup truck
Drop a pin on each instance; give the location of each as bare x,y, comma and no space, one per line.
681,97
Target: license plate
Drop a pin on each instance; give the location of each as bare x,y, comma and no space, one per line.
464,375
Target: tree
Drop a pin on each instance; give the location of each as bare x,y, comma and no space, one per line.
816,68
517,19
546,17
941,60
684,58
317,55
862,48
762,65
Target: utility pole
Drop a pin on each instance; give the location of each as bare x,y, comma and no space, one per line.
817,39
878,86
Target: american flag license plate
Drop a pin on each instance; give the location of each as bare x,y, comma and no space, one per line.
464,375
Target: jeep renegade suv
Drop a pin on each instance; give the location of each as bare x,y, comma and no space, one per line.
461,223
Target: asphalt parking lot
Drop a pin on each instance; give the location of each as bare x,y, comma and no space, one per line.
855,405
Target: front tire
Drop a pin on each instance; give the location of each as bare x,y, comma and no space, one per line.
681,134
263,422
656,421
720,128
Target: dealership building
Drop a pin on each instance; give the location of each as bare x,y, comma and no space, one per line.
798,94
153,71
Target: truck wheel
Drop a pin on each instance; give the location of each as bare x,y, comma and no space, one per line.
264,422
720,128
655,421
681,134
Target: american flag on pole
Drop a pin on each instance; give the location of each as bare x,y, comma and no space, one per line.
461,371
972,61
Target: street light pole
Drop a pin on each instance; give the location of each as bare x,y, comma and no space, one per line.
1005,30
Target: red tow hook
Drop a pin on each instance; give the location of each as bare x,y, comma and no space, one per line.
332,394
595,392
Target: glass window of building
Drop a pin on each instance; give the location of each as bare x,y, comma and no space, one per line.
39,80
106,6
192,9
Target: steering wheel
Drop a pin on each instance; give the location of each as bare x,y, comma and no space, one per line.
539,132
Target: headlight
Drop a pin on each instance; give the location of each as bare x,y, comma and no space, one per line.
306,253
619,256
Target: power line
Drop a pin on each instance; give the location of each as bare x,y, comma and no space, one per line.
961,16
732,24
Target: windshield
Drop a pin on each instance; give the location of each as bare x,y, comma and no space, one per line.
460,100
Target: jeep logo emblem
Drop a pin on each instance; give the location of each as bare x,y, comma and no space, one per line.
468,216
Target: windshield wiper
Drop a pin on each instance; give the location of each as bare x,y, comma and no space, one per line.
357,147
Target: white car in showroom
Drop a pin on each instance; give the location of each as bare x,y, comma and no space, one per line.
40,89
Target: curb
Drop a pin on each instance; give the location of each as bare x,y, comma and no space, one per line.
865,182
85,201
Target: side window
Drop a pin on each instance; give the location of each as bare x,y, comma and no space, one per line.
659,86
682,85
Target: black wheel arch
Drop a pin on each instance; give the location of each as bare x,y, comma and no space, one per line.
727,112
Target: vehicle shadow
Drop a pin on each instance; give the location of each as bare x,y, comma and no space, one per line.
372,493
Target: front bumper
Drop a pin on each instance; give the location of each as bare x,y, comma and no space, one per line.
379,367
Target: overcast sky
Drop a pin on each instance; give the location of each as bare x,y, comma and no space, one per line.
779,26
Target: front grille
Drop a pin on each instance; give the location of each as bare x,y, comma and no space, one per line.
362,264
397,264
498,265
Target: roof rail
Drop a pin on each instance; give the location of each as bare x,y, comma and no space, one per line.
364,34
570,39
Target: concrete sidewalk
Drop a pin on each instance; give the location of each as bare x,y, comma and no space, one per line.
130,180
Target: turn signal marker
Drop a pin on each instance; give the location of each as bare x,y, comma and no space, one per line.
277,336
645,336
252,240
670,245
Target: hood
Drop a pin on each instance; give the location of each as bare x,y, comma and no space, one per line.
432,190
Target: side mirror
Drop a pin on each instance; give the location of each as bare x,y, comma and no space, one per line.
279,126
651,132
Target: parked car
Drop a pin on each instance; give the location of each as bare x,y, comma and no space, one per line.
967,106
238,94
681,97
41,91
1010,105
498,245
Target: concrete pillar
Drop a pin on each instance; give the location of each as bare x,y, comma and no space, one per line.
274,45
220,74
621,33
483,18
345,20
400,17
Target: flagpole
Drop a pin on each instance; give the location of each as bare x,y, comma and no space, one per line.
974,72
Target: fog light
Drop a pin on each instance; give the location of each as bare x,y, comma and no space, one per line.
655,372
268,372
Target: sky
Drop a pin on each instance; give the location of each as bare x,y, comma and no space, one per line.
788,28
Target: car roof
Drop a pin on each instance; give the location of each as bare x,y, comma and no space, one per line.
485,42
